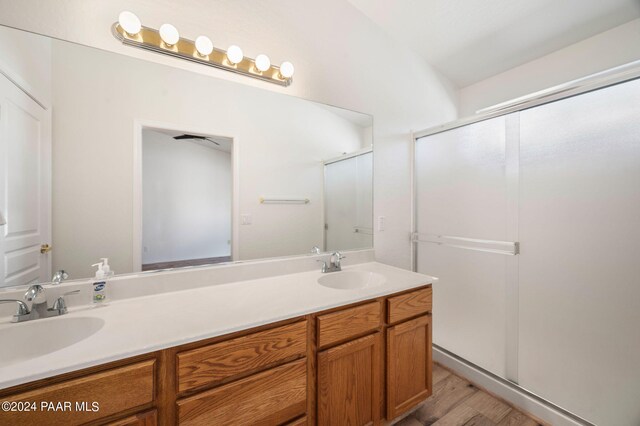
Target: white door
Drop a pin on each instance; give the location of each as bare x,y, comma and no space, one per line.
25,187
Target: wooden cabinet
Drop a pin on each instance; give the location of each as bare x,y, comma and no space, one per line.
299,422
243,355
354,365
349,383
408,365
348,323
408,305
272,397
116,390
148,418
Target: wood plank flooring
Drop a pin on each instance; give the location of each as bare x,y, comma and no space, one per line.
456,402
182,263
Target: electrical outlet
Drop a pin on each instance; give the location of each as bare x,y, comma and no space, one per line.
381,223
245,219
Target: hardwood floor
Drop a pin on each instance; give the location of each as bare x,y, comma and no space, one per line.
456,402
183,263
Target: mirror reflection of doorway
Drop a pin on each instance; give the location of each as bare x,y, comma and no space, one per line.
348,197
186,199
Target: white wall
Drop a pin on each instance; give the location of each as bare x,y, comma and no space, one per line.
611,48
186,191
281,142
26,59
341,58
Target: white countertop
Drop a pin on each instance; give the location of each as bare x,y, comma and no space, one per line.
146,324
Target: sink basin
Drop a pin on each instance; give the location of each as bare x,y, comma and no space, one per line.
36,338
351,280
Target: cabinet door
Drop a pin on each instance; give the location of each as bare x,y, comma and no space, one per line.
409,365
349,383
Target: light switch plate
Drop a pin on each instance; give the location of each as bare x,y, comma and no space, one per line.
245,219
381,223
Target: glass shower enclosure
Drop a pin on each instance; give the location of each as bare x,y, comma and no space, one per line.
531,220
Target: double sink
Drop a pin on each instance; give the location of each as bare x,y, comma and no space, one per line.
44,336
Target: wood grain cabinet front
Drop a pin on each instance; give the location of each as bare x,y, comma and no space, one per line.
408,365
273,397
409,305
115,391
241,356
349,383
348,323
148,418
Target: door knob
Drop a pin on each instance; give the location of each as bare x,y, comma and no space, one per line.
45,248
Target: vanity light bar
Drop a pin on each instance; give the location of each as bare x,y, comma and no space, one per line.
167,41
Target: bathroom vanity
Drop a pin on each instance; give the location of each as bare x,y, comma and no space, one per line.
358,351
266,336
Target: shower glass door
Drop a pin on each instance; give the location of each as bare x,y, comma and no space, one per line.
532,223
463,221
348,198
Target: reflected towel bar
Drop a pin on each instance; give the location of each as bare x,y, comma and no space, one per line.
510,248
363,230
284,201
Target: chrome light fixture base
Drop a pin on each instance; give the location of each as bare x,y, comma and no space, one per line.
149,39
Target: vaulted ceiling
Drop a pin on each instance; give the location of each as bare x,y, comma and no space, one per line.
470,40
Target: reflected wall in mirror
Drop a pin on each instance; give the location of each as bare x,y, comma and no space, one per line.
91,166
186,199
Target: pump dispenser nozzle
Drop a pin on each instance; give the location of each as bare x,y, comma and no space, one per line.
100,272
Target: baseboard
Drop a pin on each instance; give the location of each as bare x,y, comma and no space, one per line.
508,391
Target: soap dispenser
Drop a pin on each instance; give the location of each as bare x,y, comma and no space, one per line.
106,268
100,284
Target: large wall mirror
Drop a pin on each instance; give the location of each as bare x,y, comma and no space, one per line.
109,156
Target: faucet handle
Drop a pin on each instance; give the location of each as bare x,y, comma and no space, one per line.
324,265
59,276
60,305
338,255
22,307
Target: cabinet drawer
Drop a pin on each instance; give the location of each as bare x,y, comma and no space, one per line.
341,325
148,418
272,397
240,356
408,305
114,390
299,422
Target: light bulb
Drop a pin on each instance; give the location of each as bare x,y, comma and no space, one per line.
169,34
204,46
263,63
234,54
129,22
286,69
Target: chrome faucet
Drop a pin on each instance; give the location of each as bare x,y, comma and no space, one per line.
39,307
334,263
59,276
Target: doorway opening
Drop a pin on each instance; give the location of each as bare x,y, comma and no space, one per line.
187,199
